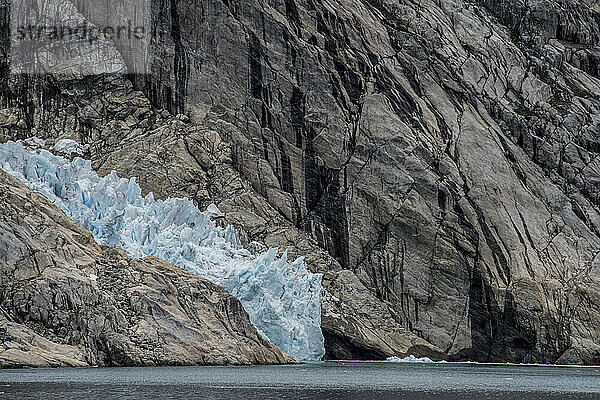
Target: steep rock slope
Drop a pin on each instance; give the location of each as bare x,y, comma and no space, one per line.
443,151
436,160
65,301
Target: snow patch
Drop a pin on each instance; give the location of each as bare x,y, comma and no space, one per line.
34,143
282,297
68,147
213,212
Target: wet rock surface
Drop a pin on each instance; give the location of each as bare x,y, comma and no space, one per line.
65,301
435,160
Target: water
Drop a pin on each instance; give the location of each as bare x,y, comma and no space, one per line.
331,380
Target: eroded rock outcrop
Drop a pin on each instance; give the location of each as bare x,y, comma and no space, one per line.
439,158
65,301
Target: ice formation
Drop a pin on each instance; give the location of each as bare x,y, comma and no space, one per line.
409,359
282,298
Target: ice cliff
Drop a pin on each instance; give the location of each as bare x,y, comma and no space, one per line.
282,298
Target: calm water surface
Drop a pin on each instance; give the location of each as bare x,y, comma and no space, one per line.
335,380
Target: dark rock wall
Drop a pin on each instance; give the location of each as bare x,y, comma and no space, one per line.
443,152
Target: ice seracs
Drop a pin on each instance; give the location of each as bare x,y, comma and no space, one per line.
282,298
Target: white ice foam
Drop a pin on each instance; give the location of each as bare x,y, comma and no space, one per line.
410,359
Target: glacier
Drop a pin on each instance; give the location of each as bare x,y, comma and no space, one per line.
281,296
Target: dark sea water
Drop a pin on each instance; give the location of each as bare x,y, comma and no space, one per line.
335,380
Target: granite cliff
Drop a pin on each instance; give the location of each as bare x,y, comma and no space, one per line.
435,160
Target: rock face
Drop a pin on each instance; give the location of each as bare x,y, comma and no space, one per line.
436,161
65,301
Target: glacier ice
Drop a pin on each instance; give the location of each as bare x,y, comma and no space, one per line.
282,298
